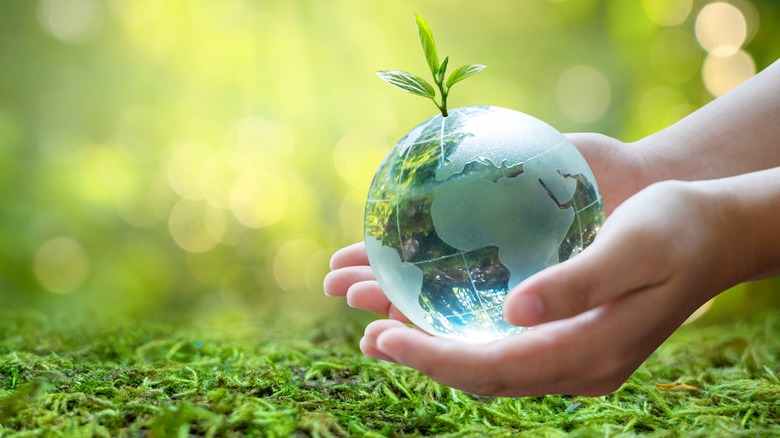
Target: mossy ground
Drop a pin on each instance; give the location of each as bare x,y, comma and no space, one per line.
160,380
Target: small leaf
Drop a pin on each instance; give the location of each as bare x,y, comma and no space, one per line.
442,70
428,45
676,387
407,82
462,73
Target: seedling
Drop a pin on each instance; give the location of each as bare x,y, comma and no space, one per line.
419,86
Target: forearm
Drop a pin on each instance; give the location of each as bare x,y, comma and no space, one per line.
736,133
749,211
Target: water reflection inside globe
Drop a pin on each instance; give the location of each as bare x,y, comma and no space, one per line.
465,207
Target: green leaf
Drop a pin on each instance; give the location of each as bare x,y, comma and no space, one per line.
407,82
442,70
428,45
462,73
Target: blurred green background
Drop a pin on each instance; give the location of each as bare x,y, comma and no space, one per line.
190,158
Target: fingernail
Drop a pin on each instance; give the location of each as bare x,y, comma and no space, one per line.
527,308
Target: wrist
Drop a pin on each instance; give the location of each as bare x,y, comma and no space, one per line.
711,142
748,209
671,155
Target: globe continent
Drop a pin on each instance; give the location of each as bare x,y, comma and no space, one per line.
465,207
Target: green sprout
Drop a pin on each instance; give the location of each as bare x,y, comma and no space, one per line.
419,86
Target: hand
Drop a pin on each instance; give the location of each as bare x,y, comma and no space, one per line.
663,252
619,169
596,317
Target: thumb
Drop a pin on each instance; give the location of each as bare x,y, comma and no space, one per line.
611,267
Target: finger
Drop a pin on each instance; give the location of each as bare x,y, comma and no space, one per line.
548,360
368,342
533,365
338,282
612,266
470,367
590,354
599,350
370,350
367,295
395,314
353,255
375,328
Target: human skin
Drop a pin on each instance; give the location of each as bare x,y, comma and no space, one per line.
692,210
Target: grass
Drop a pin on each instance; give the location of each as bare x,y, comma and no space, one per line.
144,379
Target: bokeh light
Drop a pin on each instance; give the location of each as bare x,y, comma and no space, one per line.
259,199
675,56
196,226
61,265
722,73
148,205
184,168
721,28
583,93
299,265
72,21
260,142
667,12
105,174
351,214
351,155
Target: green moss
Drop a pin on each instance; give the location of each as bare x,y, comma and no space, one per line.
160,380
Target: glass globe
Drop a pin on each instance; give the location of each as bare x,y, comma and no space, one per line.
467,206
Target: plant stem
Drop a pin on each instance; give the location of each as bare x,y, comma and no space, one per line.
444,93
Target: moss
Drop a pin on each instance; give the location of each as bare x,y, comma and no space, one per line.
162,380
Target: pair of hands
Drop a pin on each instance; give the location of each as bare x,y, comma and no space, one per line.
597,316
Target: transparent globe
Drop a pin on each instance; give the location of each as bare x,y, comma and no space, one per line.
465,207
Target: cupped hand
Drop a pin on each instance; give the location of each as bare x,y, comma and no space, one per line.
579,345
664,250
597,316
620,171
